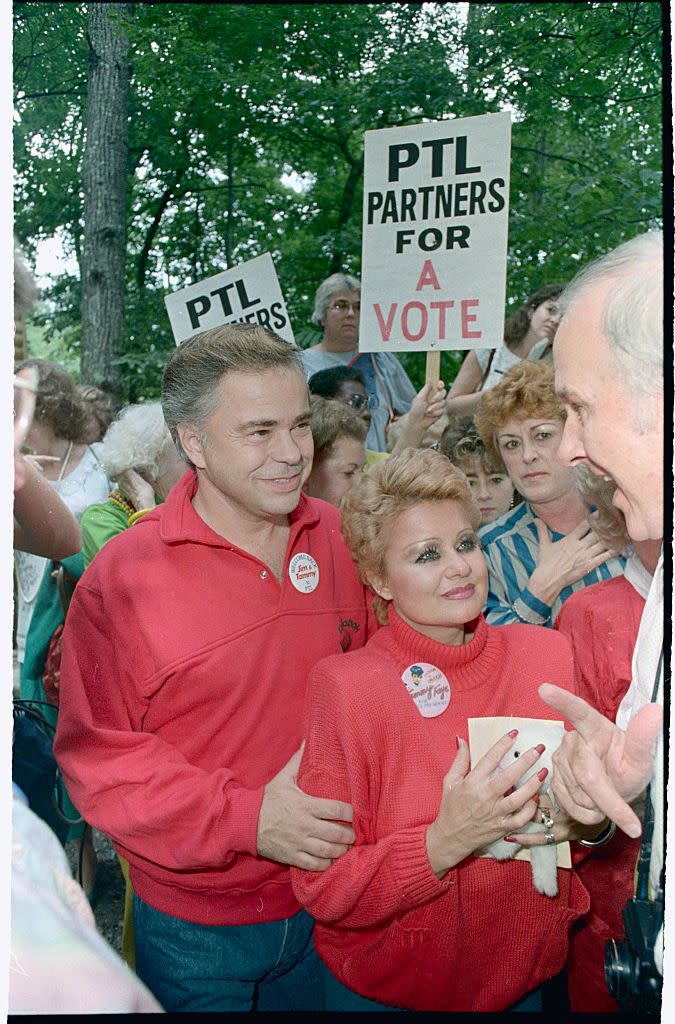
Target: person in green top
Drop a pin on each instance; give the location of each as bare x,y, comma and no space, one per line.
140,456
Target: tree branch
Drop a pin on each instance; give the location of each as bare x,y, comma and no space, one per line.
50,92
165,199
554,156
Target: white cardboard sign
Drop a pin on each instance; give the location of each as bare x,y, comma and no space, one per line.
249,292
435,232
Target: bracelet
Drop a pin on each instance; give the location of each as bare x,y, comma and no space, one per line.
602,838
137,515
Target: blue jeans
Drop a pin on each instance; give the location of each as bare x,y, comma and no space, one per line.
197,967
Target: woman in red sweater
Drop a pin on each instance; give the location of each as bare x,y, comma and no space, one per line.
411,917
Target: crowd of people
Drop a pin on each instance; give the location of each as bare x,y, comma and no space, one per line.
288,624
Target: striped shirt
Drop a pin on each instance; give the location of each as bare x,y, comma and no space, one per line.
511,548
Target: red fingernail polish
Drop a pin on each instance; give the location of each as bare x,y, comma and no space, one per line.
541,775
513,733
540,748
510,839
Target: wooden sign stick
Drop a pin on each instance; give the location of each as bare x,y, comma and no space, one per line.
433,371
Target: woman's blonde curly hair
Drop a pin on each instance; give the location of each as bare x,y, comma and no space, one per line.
387,490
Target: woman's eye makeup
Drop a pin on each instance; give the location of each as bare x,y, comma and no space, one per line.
430,554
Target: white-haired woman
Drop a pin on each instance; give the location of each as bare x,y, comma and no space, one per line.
139,454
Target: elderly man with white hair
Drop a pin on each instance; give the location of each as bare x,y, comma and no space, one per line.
608,357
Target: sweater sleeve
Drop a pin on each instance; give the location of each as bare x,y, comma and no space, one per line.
129,783
380,877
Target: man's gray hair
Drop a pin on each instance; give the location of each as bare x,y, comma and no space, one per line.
193,373
632,318
136,439
332,284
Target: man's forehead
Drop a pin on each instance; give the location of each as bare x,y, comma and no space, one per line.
266,380
269,389
580,349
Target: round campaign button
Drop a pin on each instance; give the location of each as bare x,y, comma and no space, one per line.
428,687
304,573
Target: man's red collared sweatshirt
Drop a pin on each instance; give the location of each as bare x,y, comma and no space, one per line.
182,685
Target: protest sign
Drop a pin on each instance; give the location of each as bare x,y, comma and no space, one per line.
435,230
248,293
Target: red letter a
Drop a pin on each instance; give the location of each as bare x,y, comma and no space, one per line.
428,276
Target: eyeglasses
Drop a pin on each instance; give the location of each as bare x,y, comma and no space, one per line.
359,402
341,306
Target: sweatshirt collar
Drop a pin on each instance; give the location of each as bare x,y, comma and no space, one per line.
179,523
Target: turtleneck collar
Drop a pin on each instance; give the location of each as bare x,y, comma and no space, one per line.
413,646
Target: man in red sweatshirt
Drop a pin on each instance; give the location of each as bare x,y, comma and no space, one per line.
186,651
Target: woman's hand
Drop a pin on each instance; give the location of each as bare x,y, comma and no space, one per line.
427,406
477,809
139,492
564,829
563,562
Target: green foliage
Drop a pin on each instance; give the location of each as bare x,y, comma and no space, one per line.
46,342
246,135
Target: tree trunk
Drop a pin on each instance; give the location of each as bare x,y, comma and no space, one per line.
104,184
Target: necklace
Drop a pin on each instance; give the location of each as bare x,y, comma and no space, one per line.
66,459
117,498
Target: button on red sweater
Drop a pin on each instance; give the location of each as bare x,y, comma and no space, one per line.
482,937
